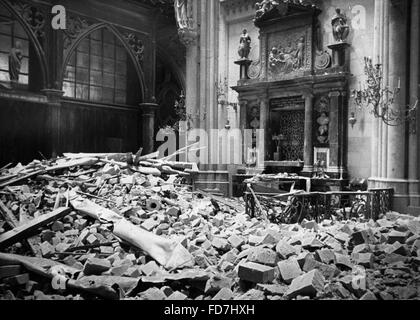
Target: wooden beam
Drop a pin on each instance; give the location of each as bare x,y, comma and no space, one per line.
23,232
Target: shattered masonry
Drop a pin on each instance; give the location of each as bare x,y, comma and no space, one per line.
128,227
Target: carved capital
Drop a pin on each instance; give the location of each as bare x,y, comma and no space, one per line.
188,36
243,102
334,94
307,94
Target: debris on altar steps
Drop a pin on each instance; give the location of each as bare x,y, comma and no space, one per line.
123,226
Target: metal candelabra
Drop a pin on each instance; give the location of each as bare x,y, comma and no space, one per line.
382,98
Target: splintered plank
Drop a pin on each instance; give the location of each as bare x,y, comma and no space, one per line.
8,216
25,231
13,223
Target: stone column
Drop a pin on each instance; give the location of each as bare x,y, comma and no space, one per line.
243,104
378,38
148,111
413,149
54,127
264,121
396,157
308,146
334,133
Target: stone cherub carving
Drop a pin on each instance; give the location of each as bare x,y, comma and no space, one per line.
264,6
341,29
244,45
15,61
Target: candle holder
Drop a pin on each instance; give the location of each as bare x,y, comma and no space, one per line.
381,98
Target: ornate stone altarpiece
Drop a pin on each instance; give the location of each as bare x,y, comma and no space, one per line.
293,63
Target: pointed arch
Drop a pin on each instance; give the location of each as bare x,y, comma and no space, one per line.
120,38
40,53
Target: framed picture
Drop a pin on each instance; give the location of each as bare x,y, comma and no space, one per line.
322,154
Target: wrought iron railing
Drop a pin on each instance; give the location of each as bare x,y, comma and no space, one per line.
318,206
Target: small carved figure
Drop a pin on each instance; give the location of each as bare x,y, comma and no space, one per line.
300,52
323,122
15,61
182,13
244,45
341,29
264,6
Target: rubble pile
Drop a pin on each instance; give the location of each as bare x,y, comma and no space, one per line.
126,227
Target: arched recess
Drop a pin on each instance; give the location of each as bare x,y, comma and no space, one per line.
170,81
40,53
120,37
177,71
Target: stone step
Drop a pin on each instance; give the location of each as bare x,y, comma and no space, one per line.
219,187
212,175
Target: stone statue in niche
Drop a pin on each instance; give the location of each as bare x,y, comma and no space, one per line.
287,58
255,122
244,45
15,61
182,12
341,29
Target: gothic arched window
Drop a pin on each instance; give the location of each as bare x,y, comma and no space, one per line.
14,50
97,70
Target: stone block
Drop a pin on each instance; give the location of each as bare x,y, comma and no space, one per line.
95,266
326,256
216,283
396,236
221,244
264,256
47,250
364,259
285,250
152,294
177,296
256,273
343,262
223,294
289,270
236,241
308,284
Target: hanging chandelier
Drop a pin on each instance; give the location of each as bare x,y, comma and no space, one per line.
381,98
